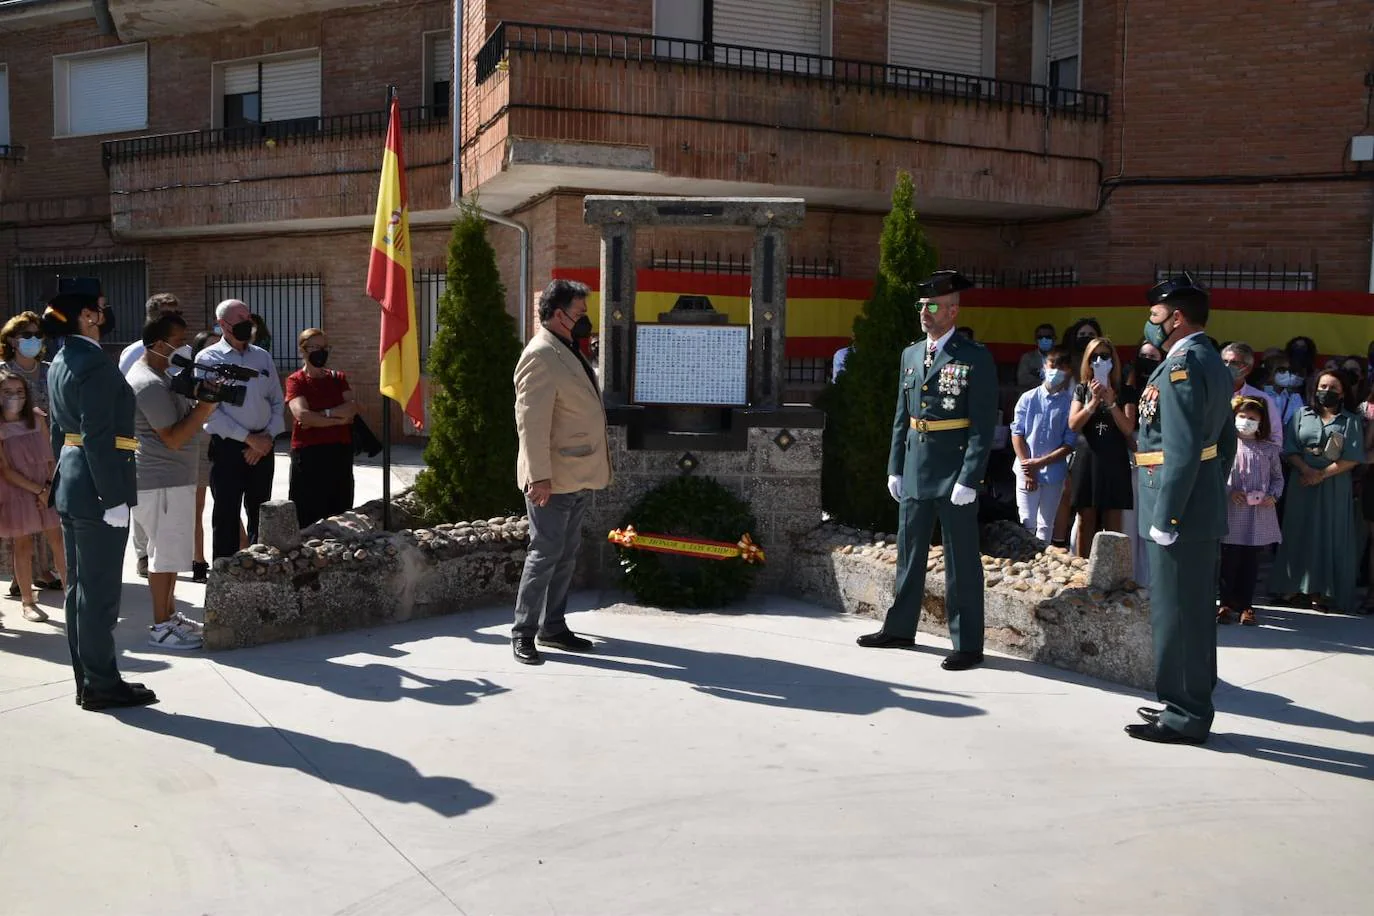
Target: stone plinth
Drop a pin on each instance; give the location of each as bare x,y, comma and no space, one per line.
277,525
1039,604
350,574
778,474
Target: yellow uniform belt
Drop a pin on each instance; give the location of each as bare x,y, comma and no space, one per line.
935,426
123,443
1154,459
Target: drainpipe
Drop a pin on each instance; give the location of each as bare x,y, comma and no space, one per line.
456,109
101,10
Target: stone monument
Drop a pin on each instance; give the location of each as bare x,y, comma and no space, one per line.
724,417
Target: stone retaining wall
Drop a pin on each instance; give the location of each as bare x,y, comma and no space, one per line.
1040,603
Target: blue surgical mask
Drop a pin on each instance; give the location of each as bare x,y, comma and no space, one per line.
1054,378
1283,379
30,347
1044,343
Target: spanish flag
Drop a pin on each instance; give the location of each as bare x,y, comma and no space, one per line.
390,280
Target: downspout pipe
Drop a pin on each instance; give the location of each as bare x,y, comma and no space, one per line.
459,75
103,20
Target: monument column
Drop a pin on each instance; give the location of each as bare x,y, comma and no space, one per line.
768,317
617,311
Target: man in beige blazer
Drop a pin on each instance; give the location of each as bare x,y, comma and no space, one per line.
563,458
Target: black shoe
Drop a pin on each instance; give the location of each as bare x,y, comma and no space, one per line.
48,585
962,661
124,697
881,640
143,567
81,691
1149,714
200,572
525,652
1161,734
14,590
568,642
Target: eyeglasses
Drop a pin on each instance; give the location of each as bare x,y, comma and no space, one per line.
930,305
28,335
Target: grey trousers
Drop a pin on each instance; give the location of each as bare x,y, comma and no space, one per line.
555,533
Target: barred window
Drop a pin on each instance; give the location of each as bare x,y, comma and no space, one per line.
288,305
123,280
1283,278
808,371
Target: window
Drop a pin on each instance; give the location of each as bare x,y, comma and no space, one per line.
438,73
808,371
429,286
271,96
123,280
100,92
4,108
1056,42
955,39
288,305
774,35
1287,279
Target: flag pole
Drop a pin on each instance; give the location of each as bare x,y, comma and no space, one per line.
386,401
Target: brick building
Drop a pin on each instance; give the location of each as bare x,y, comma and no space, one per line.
1065,151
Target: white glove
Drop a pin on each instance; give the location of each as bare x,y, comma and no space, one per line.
1163,538
962,495
118,517
894,487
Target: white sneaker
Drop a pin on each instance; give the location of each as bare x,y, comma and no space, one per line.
175,636
195,626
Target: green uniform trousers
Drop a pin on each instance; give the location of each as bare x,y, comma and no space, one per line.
1183,615
963,570
95,566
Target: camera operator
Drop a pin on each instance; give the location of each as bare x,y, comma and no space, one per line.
241,434
168,429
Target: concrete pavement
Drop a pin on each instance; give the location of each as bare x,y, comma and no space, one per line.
754,762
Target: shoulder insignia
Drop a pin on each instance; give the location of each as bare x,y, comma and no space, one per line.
1179,374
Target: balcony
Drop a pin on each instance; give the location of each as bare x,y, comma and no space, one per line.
637,113
312,174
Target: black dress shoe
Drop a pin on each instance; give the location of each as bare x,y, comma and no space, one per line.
81,691
126,697
1161,734
1149,714
568,642
962,661
525,652
881,640
14,590
200,572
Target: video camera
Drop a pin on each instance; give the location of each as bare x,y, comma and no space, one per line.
219,389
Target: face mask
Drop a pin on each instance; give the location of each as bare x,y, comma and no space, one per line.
1238,371
318,358
1155,334
1328,398
1283,378
1102,361
581,329
29,347
1246,427
1145,366
1044,343
14,403
1054,378
242,331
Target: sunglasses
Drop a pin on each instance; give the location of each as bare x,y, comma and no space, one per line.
929,305
27,335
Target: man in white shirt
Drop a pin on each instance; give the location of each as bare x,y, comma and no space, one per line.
159,304
1240,359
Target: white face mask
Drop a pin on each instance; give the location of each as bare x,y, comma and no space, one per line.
1247,427
1054,378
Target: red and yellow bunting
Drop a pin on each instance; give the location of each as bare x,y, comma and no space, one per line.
745,548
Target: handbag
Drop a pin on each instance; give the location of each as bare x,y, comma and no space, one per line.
364,440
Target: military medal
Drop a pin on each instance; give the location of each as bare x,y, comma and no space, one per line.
1149,405
948,403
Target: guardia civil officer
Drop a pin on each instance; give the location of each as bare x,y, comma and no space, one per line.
92,418
1187,444
941,437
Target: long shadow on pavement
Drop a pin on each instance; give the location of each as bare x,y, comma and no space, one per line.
338,763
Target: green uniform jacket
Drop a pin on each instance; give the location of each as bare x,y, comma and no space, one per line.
961,383
1192,411
89,397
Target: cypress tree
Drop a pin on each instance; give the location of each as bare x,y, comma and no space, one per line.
860,405
470,458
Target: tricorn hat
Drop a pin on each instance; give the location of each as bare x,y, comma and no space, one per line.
59,318
942,283
1175,290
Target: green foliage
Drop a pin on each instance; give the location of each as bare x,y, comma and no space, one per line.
470,458
859,407
697,507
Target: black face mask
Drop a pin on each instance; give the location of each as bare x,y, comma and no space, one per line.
1145,366
1328,398
581,329
242,331
318,358
107,321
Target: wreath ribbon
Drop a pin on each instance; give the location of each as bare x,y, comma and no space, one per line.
745,548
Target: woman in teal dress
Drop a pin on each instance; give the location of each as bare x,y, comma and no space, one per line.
1323,443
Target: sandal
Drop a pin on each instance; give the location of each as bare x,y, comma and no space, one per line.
200,572
1247,617
34,613
1225,615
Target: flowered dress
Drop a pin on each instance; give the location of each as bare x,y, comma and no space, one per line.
1257,469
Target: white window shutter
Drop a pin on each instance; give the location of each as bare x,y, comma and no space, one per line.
107,93
291,89
241,78
441,58
1064,16
780,25
947,37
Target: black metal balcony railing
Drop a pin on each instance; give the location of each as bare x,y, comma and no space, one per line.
11,153
196,142
877,77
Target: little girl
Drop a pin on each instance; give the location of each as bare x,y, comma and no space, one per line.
1253,489
26,466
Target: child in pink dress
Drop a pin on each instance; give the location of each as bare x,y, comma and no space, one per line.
26,466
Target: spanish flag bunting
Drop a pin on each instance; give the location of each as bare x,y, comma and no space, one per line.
390,280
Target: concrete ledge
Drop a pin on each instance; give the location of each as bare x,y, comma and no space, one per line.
1039,603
